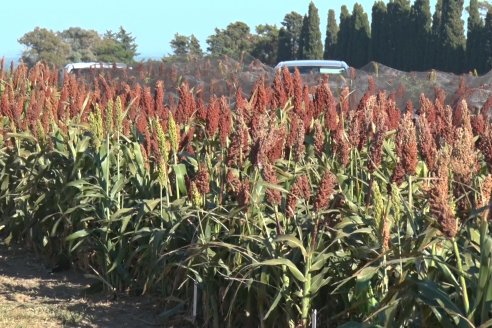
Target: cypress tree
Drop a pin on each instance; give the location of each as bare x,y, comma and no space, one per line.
436,46
359,43
378,32
487,42
344,35
331,36
453,36
303,38
421,23
310,44
400,36
474,48
288,37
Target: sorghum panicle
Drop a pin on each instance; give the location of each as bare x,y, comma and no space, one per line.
325,191
273,196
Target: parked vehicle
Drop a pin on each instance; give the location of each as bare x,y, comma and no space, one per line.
76,67
337,71
332,67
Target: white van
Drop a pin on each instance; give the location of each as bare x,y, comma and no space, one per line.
332,67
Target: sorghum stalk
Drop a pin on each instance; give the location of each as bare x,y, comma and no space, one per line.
306,292
464,294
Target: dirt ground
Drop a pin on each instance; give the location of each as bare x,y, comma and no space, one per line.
31,296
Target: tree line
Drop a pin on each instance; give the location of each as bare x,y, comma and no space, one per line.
77,45
402,35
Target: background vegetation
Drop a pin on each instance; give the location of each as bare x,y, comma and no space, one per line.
402,34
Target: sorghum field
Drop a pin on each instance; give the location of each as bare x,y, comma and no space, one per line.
288,206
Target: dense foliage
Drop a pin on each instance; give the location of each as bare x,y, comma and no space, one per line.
289,205
402,35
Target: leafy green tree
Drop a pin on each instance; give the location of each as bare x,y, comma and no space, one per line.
180,45
44,45
474,46
452,36
194,48
82,43
128,43
344,34
234,41
117,47
379,32
288,37
265,44
359,43
310,46
331,36
421,21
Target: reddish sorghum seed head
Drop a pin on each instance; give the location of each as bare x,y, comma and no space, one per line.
159,96
376,149
233,184
439,196
277,146
225,121
300,190
239,148
298,95
279,97
287,81
325,190
428,148
319,138
244,195
273,196
202,179
406,145
213,116
260,97
393,115
478,124
485,145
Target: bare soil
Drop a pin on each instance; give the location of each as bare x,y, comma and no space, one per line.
31,296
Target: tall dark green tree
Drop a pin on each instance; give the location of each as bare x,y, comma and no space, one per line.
400,39
487,42
344,34
310,46
288,37
436,46
379,32
361,34
331,36
419,56
474,46
452,36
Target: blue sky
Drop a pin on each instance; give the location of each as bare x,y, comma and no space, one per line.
153,23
